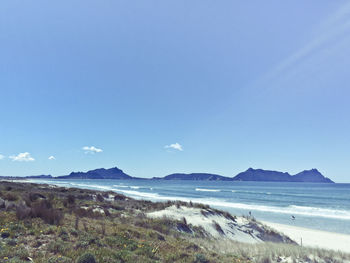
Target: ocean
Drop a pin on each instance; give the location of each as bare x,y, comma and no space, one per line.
317,206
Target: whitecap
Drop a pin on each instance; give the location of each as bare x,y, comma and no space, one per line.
207,190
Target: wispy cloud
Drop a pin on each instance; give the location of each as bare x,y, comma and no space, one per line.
175,146
22,157
52,157
334,30
92,149
2,156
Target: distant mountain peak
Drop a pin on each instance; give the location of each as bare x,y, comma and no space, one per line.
100,173
195,177
251,174
311,176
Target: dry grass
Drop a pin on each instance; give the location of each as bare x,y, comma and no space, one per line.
274,252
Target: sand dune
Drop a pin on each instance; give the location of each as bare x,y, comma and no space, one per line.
219,226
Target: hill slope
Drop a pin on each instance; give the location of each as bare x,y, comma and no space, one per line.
196,177
112,173
311,176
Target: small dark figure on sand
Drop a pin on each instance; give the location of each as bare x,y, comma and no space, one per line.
293,217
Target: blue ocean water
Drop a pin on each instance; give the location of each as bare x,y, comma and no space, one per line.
318,206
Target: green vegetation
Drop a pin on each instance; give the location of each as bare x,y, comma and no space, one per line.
43,224
86,258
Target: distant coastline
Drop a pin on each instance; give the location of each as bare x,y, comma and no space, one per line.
256,175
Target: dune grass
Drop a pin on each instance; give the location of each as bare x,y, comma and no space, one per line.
40,223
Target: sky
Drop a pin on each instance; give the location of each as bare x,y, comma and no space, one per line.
157,87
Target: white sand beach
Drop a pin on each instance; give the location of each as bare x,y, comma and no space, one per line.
314,238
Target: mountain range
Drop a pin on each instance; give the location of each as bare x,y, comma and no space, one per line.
194,177
309,176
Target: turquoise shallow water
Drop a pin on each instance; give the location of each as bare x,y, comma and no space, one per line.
318,206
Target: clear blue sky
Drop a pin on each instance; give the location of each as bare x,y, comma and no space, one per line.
157,87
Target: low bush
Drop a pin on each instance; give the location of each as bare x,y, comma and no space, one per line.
44,210
10,197
99,198
59,259
71,199
22,211
58,247
218,228
86,258
200,258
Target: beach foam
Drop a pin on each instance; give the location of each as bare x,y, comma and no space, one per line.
289,210
207,190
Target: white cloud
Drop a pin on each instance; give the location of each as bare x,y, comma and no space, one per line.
2,156
22,157
175,146
52,157
92,149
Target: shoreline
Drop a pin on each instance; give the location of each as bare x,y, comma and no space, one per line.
51,224
314,238
310,237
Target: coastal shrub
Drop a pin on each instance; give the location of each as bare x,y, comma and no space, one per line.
2,202
204,213
73,232
106,211
22,253
41,205
183,227
35,196
44,210
202,206
103,228
86,258
86,239
10,197
71,199
5,234
99,198
11,242
76,225
51,196
119,197
37,244
82,212
59,259
227,215
50,230
266,259
200,258
58,247
63,233
218,228
22,211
